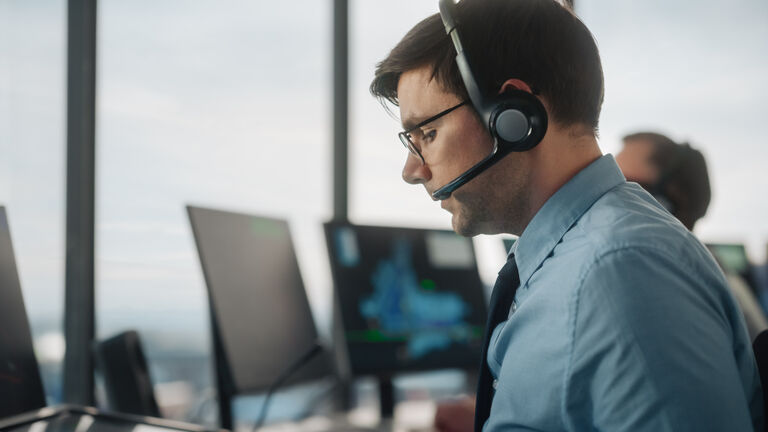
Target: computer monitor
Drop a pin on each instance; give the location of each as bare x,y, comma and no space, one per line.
733,260
259,305
732,257
508,243
21,388
410,299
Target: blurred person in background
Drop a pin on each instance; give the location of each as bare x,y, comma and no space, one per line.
676,175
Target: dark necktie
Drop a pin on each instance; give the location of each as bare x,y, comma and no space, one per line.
501,300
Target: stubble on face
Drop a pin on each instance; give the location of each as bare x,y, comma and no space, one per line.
497,201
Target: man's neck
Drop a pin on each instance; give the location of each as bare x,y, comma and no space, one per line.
556,160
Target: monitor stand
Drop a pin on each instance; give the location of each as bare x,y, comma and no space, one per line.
471,379
224,386
386,398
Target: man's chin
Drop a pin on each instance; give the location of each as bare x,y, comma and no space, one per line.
458,219
461,226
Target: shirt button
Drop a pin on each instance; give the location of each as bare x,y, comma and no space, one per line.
495,384
514,307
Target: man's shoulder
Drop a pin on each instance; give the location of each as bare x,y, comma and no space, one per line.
625,235
627,219
627,216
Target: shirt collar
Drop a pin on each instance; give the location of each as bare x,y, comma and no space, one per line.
561,211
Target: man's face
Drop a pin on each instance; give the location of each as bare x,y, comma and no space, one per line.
635,162
451,145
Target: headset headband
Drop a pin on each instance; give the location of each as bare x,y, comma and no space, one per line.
448,14
516,120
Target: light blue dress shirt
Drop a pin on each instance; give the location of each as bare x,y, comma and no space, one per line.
622,322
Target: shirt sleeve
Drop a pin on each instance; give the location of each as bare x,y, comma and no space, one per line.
657,347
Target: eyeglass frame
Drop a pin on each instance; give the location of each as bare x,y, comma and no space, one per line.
405,138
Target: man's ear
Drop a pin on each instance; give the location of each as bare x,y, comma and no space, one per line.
515,84
518,84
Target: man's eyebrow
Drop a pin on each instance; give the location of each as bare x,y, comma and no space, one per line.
411,121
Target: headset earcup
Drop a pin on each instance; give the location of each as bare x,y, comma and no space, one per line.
512,125
518,121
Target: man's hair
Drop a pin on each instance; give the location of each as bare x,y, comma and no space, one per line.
683,177
537,41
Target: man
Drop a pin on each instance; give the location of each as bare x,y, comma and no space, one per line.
621,320
676,175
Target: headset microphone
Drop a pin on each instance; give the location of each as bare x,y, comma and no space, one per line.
516,119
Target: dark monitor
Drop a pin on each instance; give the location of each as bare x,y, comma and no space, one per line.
410,299
259,305
21,388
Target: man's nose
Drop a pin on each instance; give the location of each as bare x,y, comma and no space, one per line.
415,172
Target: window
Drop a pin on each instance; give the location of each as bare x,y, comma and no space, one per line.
32,166
377,194
219,105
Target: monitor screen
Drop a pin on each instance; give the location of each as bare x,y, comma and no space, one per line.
21,389
731,257
410,299
508,243
257,296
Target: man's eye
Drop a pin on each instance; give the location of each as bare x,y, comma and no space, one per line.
430,135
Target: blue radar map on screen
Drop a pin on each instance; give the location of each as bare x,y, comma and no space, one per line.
410,299
401,304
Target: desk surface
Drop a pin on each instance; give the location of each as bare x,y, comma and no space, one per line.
70,418
410,416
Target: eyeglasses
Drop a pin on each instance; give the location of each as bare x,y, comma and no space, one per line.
413,137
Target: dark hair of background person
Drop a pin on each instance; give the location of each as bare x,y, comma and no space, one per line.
683,176
537,41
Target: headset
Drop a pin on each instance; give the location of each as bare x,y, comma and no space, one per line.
516,119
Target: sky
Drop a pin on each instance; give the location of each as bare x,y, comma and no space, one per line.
228,105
